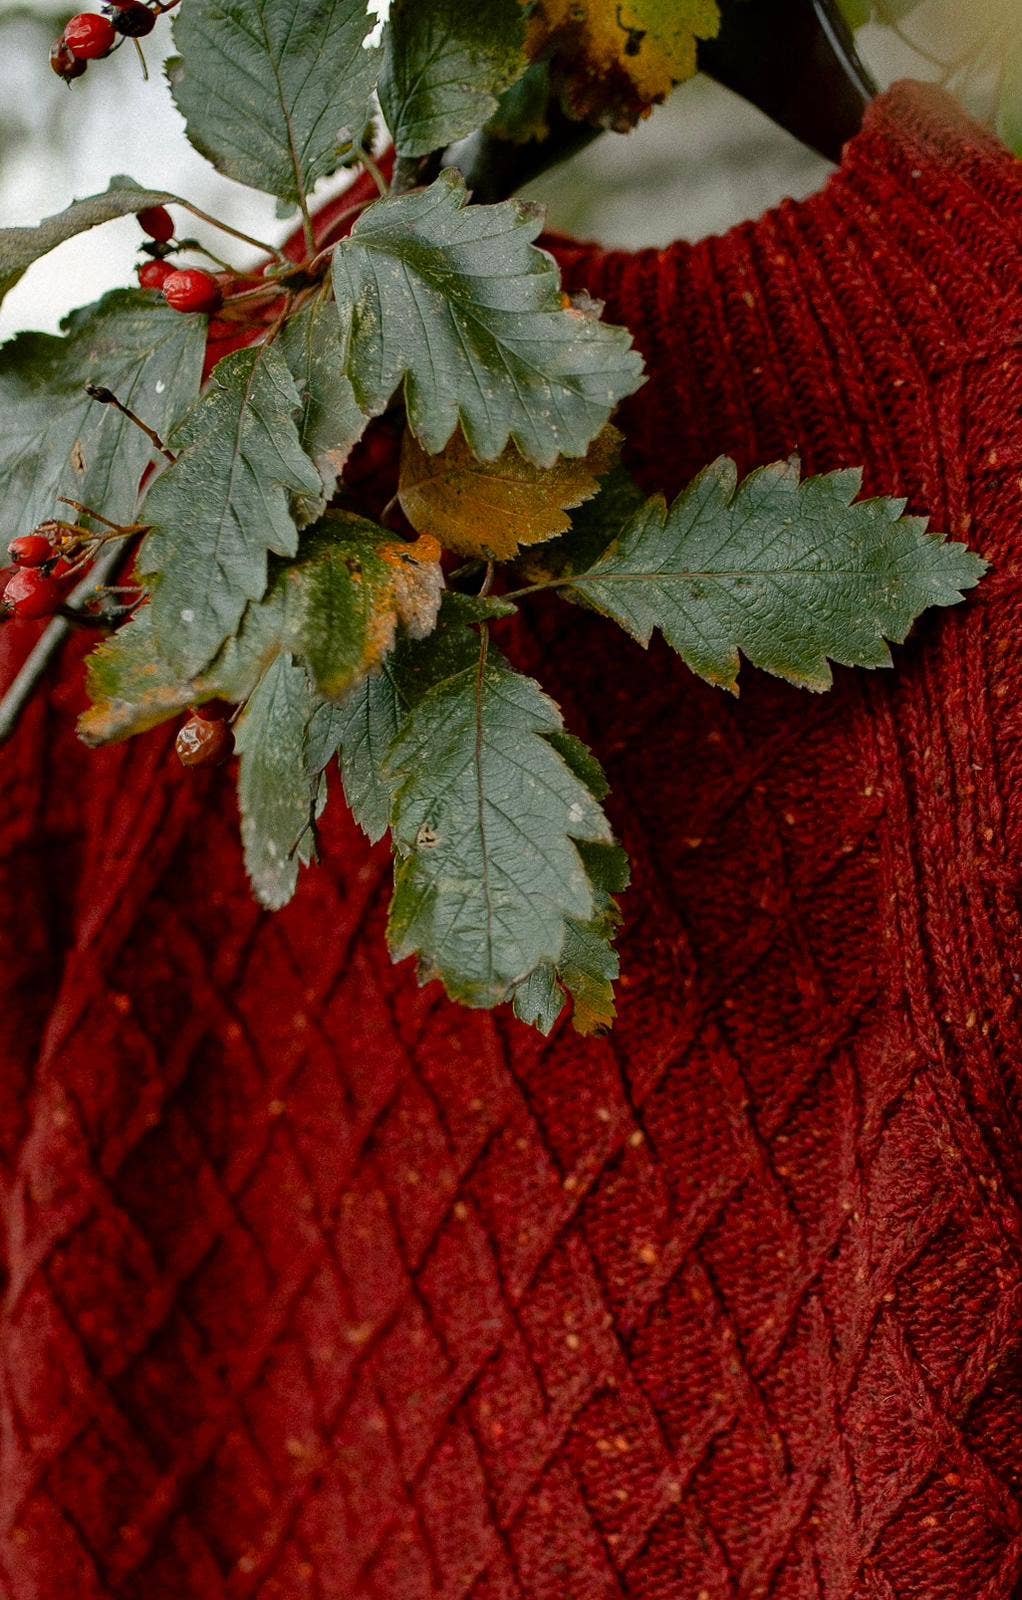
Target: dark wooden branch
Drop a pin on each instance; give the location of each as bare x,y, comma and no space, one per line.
796,60
495,168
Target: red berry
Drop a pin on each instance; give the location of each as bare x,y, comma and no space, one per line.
31,550
134,21
31,593
203,744
154,274
64,61
191,289
90,36
157,222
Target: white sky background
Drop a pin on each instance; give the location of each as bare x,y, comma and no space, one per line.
698,165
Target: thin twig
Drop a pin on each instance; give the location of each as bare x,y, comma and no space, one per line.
106,397
236,233
193,247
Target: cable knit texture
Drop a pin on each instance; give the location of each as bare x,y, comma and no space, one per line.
319,1286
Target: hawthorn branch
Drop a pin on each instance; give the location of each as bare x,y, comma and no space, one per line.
415,172
495,168
235,233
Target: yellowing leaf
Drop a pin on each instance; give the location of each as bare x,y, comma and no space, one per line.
347,600
490,508
614,59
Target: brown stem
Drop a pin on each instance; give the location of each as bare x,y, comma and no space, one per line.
106,397
122,530
236,233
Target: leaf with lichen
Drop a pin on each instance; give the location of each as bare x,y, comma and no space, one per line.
337,609
348,594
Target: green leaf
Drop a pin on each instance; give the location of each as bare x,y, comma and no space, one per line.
456,301
487,817
539,999
787,573
594,525
362,729
330,422
19,247
219,511
55,440
361,732
444,67
276,793
588,965
270,89
1009,110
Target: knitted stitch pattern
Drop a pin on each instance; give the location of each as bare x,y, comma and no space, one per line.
318,1286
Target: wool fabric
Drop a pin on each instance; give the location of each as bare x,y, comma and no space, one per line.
319,1286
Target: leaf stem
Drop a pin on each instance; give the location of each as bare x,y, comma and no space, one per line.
535,588
307,228
373,168
118,529
338,221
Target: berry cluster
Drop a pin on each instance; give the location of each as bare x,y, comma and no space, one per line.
184,289
92,34
34,586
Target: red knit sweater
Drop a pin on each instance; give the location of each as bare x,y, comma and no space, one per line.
321,1287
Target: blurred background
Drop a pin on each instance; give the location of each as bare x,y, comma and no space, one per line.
702,162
